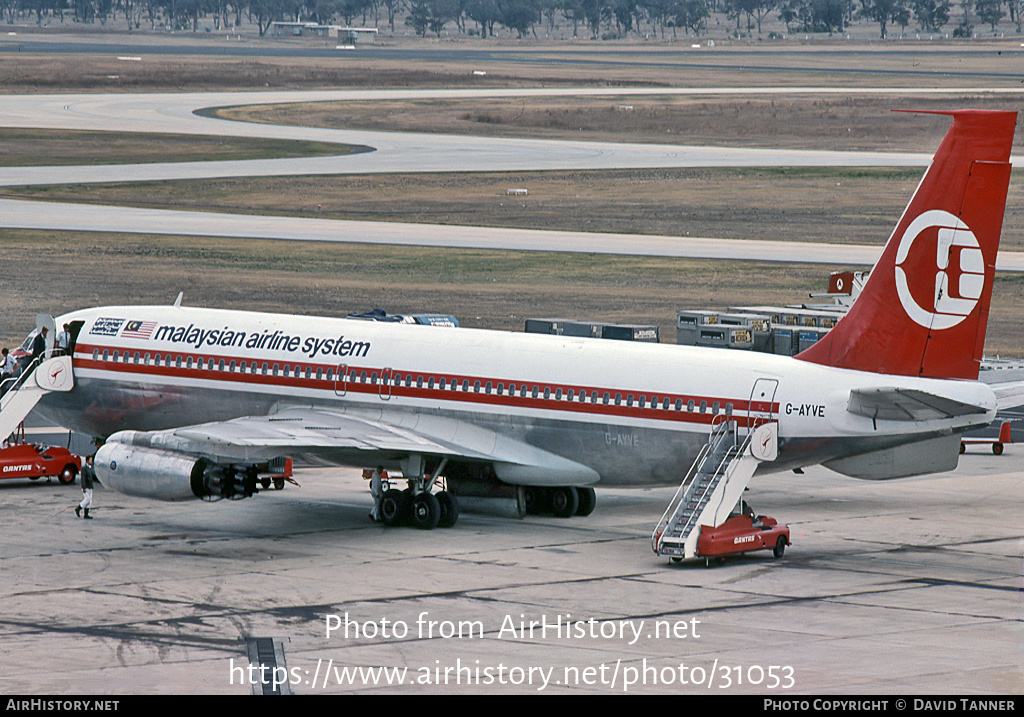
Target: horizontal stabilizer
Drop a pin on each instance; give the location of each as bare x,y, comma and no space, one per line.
902,404
1009,395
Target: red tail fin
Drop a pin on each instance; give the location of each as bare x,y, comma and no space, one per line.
924,308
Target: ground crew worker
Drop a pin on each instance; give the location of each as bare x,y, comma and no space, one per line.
377,491
88,477
8,367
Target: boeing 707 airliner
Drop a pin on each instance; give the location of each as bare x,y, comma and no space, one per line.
189,401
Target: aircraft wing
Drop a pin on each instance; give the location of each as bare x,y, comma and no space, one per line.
901,404
362,439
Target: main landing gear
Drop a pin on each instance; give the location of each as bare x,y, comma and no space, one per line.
419,508
562,501
418,505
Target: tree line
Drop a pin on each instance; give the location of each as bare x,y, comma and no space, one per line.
604,19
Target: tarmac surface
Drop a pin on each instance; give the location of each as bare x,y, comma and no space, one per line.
889,588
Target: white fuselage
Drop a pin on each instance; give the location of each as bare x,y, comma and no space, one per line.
634,412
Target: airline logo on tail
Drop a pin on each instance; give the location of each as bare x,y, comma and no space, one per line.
924,309
959,268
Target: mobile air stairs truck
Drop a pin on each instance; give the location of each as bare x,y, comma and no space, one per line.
699,521
44,374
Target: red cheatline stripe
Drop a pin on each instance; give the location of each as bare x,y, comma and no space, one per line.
83,360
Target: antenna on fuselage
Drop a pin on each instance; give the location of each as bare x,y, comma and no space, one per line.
177,302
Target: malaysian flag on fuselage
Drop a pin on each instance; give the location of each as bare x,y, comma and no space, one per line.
138,329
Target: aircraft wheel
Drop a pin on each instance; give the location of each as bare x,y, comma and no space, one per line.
67,476
565,500
780,547
449,509
997,448
392,507
536,499
425,511
587,502
963,447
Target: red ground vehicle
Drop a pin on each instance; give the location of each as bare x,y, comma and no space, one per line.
997,443
29,460
743,534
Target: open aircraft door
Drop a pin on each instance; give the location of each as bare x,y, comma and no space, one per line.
761,408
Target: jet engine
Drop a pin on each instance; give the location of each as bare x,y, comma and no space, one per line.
169,475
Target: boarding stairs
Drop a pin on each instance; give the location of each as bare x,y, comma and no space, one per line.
21,394
713,486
